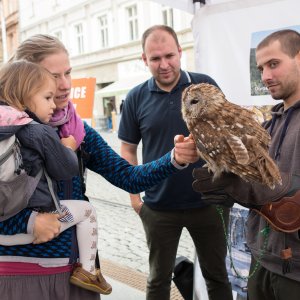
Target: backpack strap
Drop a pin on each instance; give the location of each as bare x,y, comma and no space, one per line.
49,182
4,157
50,185
81,154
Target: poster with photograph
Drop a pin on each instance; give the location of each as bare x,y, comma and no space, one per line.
238,258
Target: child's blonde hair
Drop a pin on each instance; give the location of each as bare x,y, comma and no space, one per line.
20,80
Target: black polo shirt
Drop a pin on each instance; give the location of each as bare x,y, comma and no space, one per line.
154,117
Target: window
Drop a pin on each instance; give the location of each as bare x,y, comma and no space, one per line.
55,3
167,15
31,10
103,29
58,34
10,43
132,22
79,38
11,7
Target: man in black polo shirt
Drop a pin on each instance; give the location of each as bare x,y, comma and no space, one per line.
152,113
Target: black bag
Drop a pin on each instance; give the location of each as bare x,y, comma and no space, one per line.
184,277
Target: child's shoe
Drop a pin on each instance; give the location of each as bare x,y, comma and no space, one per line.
88,281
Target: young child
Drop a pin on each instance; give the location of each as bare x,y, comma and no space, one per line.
27,91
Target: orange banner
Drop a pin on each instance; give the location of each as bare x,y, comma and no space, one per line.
82,95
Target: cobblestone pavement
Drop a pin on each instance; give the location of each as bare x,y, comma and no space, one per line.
121,234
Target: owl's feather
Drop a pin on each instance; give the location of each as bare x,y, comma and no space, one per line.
228,137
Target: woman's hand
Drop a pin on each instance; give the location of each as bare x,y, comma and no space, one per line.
46,227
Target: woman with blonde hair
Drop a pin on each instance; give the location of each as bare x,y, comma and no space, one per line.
27,93
42,270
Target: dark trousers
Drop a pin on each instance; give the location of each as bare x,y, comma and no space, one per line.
265,285
163,230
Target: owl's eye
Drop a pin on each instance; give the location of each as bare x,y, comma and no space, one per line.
194,101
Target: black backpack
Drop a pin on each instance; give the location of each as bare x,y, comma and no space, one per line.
184,277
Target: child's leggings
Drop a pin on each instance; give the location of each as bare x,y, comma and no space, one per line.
85,219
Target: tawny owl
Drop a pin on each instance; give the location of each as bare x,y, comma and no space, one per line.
228,137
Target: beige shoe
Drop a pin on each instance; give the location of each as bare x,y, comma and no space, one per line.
88,281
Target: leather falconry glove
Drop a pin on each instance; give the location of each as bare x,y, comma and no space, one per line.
212,191
280,207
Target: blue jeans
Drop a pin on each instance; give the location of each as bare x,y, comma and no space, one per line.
109,123
163,230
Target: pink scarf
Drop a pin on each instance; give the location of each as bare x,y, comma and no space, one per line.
69,123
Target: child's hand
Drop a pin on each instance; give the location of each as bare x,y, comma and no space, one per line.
69,142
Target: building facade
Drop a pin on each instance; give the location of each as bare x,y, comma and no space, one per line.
103,38
9,40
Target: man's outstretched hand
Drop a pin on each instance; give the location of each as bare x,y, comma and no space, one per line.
185,150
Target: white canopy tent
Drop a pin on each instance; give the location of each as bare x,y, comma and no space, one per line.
121,87
224,33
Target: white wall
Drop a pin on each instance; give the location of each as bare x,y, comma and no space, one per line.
223,33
